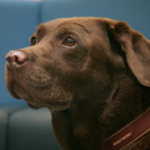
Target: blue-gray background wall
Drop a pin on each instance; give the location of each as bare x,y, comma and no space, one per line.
18,22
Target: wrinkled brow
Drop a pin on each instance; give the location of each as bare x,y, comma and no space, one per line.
82,27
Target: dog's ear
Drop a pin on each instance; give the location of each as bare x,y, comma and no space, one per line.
135,46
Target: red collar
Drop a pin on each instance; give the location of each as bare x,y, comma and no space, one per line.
129,133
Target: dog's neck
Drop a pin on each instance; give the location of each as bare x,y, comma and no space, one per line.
97,120
130,98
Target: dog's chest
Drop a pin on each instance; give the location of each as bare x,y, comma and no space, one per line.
87,136
75,134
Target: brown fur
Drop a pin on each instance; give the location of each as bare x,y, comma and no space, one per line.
93,88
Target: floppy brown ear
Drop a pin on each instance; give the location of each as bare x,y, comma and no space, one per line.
136,48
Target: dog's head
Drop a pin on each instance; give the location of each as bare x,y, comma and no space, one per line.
74,59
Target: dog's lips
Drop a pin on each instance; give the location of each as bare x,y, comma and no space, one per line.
12,91
14,83
54,105
10,86
13,87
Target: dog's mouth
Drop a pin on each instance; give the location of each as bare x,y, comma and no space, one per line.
17,90
52,97
10,83
12,91
36,104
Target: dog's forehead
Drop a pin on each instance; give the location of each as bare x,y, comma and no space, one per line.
91,24
87,22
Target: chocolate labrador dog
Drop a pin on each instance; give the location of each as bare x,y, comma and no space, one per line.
94,76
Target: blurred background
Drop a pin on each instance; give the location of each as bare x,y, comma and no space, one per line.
22,128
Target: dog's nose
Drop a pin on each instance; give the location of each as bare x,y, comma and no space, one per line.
16,58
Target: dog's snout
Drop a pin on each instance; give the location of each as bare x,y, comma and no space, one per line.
15,58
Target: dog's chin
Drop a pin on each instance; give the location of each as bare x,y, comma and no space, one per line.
57,106
51,106
34,106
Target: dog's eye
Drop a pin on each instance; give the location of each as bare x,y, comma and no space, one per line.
33,41
69,41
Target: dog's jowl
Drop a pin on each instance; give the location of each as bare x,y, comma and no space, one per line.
93,74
